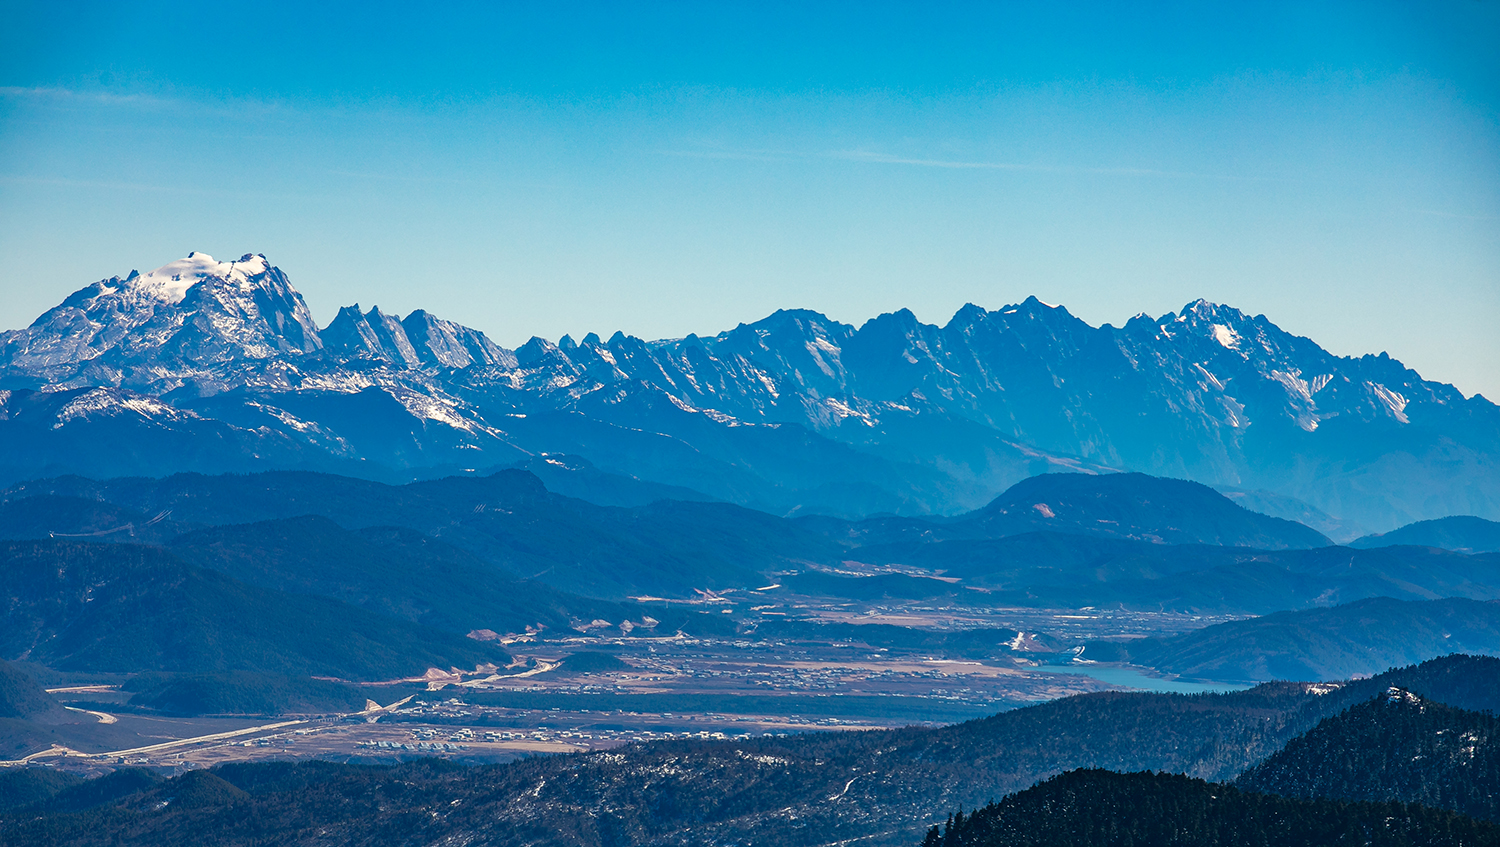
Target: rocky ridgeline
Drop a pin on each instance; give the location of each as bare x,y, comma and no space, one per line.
895,415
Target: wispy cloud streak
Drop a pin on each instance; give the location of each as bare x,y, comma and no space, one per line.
111,185
17,92
873,158
886,159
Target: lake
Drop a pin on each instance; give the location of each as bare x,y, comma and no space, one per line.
1132,678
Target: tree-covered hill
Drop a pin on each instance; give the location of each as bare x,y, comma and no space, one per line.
126,608
395,571
243,693
24,786
1464,533
1135,505
1395,747
21,695
82,518
1096,808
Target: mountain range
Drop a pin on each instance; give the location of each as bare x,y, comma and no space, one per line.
215,366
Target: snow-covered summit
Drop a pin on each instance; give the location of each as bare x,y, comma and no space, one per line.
212,326
148,330
171,281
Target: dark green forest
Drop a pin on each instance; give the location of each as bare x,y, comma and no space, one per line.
1100,808
1397,746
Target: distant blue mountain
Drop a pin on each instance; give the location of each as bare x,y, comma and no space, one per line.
1353,639
1464,533
217,366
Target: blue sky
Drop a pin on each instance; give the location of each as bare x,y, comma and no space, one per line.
673,168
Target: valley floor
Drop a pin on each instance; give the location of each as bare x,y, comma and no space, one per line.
761,683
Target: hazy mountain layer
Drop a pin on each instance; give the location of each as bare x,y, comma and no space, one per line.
1362,637
1464,533
392,570
529,554
124,608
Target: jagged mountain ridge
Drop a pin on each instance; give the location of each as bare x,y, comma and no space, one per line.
899,415
419,340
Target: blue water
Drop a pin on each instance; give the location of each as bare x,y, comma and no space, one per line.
1129,678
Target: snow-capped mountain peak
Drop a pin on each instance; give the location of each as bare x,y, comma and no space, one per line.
170,282
154,331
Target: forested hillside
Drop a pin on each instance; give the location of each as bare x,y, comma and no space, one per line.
1397,746
124,608
1106,809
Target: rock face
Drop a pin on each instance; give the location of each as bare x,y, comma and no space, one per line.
793,412
374,336
446,344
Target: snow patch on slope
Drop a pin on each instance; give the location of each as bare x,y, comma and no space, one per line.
1299,394
1226,336
1393,401
107,402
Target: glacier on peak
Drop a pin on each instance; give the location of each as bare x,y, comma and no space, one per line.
1226,337
171,281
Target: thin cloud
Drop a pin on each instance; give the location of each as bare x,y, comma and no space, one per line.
1456,215
401,177
740,155
866,156
110,185
886,159
51,93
